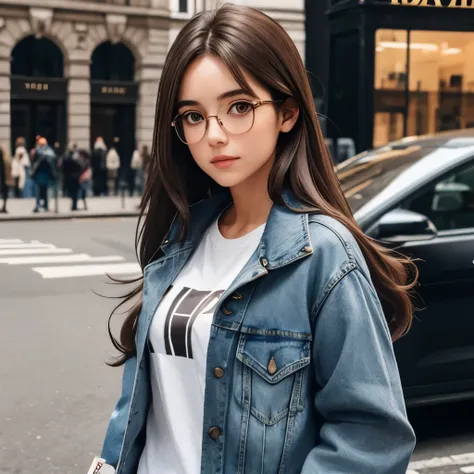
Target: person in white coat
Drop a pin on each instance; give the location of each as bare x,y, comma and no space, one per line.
112,162
21,159
18,175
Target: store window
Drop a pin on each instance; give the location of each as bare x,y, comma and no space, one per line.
390,85
183,6
424,83
441,81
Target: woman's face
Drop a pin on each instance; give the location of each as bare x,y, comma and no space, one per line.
228,158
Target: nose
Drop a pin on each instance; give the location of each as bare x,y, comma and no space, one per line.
216,135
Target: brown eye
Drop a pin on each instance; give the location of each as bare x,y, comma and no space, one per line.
241,108
192,118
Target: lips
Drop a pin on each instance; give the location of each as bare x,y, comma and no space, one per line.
221,158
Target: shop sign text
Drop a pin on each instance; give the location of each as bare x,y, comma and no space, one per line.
436,3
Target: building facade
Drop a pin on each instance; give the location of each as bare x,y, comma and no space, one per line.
395,68
72,70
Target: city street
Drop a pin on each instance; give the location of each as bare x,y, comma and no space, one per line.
57,392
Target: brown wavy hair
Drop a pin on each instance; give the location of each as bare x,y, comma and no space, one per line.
244,38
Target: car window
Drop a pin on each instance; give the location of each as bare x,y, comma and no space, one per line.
449,202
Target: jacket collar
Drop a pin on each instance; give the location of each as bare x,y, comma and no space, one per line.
286,236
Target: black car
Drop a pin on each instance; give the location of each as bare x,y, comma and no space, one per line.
417,195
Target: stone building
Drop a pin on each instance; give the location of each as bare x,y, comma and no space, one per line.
71,70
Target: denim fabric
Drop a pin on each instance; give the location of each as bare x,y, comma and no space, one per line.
311,383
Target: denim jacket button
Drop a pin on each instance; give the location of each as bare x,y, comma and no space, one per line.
264,261
237,296
308,249
272,367
214,433
226,311
218,372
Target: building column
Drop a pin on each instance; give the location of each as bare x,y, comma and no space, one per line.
5,130
148,75
6,44
79,99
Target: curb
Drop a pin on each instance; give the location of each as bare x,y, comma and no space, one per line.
62,217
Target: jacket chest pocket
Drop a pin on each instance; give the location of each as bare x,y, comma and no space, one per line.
269,376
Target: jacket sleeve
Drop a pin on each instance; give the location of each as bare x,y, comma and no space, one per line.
118,422
365,428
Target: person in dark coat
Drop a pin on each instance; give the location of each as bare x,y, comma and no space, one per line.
72,171
43,173
99,168
5,176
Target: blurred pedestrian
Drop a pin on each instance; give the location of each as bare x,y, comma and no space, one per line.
43,173
86,176
99,167
146,158
135,171
19,175
22,158
72,170
113,168
5,176
260,334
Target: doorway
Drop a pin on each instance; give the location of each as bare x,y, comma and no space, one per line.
115,120
30,118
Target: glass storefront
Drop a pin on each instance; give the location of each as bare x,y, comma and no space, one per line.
424,83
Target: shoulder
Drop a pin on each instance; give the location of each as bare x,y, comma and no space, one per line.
334,244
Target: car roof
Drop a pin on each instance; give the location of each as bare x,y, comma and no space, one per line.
440,152
451,138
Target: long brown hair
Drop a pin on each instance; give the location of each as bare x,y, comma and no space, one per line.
244,38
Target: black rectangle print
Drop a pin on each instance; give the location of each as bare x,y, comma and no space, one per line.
178,335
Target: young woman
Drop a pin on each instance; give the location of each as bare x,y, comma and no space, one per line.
262,338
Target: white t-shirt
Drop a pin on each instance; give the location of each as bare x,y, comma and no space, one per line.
178,338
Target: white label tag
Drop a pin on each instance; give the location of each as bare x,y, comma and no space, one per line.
99,466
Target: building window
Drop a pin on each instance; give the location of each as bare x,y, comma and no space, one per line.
390,85
183,6
424,83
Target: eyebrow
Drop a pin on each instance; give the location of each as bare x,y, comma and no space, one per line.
225,95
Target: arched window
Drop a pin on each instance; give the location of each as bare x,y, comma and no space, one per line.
37,57
112,62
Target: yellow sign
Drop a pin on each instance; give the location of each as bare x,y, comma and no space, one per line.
36,86
436,3
114,90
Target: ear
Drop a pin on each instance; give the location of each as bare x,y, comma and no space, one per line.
289,113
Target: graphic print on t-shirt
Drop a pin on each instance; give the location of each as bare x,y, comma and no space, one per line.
186,307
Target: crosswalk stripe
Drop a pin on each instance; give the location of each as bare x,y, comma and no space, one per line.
87,270
27,246
73,258
467,469
31,251
11,241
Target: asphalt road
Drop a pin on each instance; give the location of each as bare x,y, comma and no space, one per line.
57,393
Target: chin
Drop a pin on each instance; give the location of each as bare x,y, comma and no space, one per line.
228,181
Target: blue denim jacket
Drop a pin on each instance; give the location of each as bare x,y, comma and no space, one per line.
332,405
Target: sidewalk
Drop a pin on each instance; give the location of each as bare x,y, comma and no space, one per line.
22,209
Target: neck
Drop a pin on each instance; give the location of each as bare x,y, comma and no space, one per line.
251,205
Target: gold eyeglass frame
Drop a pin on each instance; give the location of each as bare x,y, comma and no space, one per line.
255,105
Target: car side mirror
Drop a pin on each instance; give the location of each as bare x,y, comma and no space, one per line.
401,225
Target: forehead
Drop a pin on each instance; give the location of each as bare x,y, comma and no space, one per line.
207,77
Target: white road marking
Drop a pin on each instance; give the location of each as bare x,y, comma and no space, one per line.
74,258
88,270
33,251
412,472
11,241
27,246
467,469
454,460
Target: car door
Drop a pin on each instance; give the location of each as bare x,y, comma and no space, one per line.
436,358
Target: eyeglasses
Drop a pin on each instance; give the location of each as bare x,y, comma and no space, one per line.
235,118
